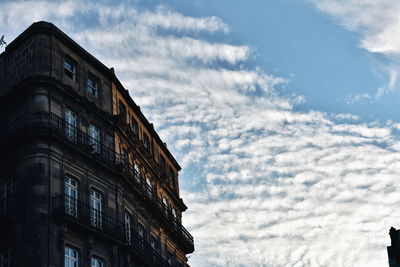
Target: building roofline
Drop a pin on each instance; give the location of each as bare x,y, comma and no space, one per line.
51,29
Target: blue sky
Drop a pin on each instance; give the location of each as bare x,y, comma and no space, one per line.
282,113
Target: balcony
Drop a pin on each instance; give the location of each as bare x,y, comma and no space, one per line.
96,221
45,123
50,124
137,143
162,210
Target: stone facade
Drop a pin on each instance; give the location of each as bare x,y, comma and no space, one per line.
84,178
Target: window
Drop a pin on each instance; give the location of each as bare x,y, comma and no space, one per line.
141,236
5,258
149,183
162,162
175,219
8,188
70,124
124,158
149,187
96,208
94,138
141,230
170,258
153,246
128,236
137,168
71,196
69,69
146,142
70,257
92,86
174,213
8,192
152,242
122,110
137,172
171,177
134,125
95,262
166,206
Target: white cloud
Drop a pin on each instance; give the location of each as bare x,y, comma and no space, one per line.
351,99
287,188
378,23
167,19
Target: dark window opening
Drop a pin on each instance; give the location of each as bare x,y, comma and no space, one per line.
122,110
69,69
146,142
162,163
134,125
92,86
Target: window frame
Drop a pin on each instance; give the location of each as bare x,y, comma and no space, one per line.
96,213
70,129
128,226
6,257
122,110
97,260
92,85
134,125
71,200
146,142
71,259
70,73
141,227
163,163
94,133
153,241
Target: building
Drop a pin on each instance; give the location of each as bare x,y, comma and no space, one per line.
84,178
394,248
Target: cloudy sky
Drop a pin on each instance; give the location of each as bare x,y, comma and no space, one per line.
283,114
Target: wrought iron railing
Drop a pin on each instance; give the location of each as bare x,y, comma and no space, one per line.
96,220
134,138
49,123
163,210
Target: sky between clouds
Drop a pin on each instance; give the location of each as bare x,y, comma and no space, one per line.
274,172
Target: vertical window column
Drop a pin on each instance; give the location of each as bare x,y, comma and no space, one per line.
96,209
92,86
71,257
5,257
70,69
141,236
94,138
95,262
128,236
8,194
70,125
71,196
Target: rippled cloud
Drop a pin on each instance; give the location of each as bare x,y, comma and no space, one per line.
265,185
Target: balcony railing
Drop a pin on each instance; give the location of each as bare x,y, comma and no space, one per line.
49,123
166,213
92,218
134,138
97,221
